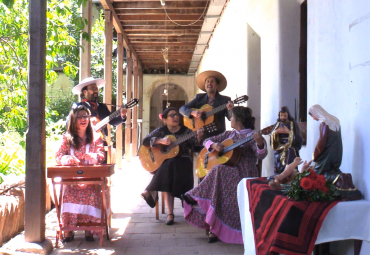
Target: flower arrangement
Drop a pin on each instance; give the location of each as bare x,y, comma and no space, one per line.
312,187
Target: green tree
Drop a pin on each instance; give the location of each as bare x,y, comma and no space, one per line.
64,27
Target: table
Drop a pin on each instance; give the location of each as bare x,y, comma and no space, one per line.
346,220
83,174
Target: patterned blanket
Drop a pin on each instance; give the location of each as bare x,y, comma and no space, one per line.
281,225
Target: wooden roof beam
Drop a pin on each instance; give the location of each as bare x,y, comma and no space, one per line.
107,5
163,44
162,33
139,47
157,5
158,17
158,11
162,29
137,23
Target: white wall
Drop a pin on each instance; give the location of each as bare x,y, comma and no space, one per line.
338,75
254,74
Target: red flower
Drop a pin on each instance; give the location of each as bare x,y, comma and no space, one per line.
306,183
316,185
313,174
321,179
324,189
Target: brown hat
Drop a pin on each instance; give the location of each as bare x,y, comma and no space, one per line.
201,80
87,81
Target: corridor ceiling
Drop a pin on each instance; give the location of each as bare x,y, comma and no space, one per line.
185,30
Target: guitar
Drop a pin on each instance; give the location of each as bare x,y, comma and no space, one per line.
229,156
97,127
208,114
152,158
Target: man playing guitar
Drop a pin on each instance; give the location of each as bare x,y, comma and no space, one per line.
212,82
88,90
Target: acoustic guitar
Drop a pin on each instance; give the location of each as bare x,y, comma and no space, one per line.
152,158
208,113
98,126
229,156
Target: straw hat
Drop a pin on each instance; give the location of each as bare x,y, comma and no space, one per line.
201,80
87,81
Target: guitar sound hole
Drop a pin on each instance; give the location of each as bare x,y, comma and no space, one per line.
220,154
165,149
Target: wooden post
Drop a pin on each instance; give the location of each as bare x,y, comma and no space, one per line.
128,97
134,118
141,95
119,97
85,51
108,64
35,139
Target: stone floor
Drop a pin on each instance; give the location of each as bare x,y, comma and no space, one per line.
134,229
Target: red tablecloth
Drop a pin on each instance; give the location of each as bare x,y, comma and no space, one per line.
281,225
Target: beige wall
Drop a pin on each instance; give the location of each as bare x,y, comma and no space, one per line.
151,82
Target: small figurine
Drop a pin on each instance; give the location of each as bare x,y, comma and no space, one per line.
286,140
288,174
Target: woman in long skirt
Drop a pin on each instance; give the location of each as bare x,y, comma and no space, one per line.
213,203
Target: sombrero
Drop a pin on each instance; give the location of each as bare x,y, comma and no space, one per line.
87,81
201,80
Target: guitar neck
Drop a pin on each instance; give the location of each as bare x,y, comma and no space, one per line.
237,144
183,139
217,109
106,120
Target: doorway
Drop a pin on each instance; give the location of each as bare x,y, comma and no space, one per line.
172,95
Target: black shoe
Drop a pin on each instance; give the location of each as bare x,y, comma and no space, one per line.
188,199
148,198
90,237
213,238
69,238
170,222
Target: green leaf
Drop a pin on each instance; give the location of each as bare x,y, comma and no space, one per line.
8,3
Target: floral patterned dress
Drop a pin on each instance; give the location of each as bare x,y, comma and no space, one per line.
81,203
217,207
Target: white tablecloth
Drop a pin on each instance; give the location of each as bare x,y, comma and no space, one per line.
346,220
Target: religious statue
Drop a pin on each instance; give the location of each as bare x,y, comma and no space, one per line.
328,153
286,140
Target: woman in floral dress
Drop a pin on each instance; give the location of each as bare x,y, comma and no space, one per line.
80,203
213,203
175,176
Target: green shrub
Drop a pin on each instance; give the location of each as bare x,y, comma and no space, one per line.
12,154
